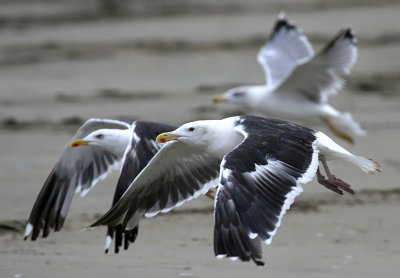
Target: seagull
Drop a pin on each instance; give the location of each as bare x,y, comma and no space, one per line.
106,145
299,83
258,165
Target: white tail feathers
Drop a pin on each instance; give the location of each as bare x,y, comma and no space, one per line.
366,164
330,150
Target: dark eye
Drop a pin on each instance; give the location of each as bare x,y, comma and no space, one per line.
191,128
100,136
238,94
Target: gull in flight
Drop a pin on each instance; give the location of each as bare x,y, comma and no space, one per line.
299,83
258,165
98,147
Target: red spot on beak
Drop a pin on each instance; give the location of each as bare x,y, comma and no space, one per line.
162,140
78,142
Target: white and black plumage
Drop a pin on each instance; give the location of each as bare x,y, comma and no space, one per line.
258,165
299,83
140,150
76,171
105,145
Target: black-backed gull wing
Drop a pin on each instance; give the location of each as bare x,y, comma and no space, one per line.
141,150
286,48
259,180
76,170
177,173
321,77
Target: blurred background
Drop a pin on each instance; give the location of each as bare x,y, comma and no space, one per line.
62,62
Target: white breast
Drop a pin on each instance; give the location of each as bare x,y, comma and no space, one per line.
223,137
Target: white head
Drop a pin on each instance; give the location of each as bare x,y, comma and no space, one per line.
114,140
193,133
235,95
215,137
244,95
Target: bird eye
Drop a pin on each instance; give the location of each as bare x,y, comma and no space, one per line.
100,136
191,128
238,94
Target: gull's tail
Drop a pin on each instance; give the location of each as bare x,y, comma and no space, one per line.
332,151
344,126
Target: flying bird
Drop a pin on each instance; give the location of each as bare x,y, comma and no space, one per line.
105,145
258,165
299,83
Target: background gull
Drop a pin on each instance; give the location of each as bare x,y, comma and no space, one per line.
106,145
299,83
258,165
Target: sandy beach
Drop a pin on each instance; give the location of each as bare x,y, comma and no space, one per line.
63,62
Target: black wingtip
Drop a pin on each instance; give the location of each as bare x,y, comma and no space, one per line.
25,238
126,242
344,34
283,22
106,251
258,262
349,34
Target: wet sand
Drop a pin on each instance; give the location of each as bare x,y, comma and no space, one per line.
61,64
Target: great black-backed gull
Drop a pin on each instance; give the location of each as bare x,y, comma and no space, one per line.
108,145
258,165
299,84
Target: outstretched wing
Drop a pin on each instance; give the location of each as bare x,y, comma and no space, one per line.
287,48
177,173
320,78
259,180
141,150
76,170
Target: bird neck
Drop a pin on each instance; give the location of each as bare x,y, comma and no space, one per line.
223,137
121,139
257,94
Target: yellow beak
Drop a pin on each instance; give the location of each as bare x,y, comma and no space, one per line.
78,142
166,136
216,99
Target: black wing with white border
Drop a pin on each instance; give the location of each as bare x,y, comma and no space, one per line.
141,150
259,180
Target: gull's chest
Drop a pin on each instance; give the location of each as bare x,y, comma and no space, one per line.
223,144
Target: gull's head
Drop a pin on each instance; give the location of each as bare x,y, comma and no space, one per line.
215,137
191,133
236,95
114,140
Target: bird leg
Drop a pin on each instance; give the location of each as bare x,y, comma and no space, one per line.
332,183
210,194
337,132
